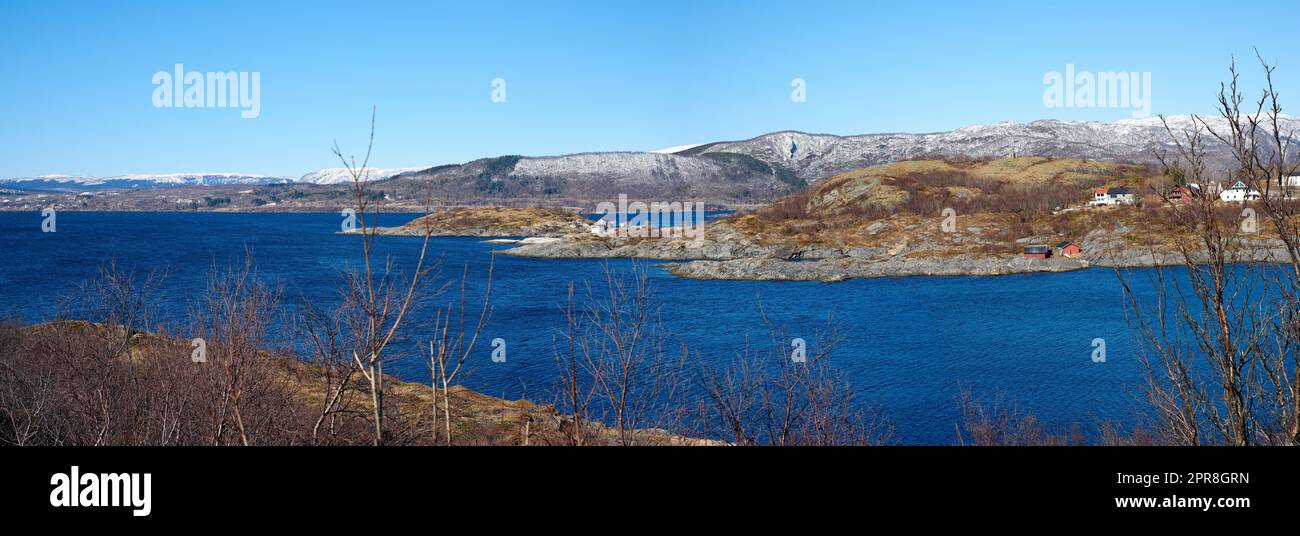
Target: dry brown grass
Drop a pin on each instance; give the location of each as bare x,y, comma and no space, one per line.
997,202
477,419
502,218
1016,184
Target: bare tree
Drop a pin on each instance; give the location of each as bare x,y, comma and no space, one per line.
378,295
1217,337
575,392
454,342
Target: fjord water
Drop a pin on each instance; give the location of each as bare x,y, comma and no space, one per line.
911,344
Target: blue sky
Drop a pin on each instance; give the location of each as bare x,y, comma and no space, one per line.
76,77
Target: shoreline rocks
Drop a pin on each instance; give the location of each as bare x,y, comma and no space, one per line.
841,269
746,260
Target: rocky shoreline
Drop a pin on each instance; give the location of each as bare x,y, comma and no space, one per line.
736,258
830,270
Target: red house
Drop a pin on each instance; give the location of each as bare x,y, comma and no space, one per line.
1181,195
1068,249
1037,251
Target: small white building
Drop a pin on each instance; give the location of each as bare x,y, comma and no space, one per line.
602,226
1239,193
1113,196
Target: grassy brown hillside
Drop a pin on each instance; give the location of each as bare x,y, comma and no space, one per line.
1025,184
1010,183
995,203
493,221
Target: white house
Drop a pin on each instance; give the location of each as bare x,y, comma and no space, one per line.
1239,193
1113,196
602,226
1293,181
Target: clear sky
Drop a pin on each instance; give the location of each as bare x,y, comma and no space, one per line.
76,83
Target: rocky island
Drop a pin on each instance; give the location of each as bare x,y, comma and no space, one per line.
925,217
493,222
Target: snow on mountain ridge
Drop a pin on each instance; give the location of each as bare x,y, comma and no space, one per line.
676,148
341,175
810,156
144,179
816,156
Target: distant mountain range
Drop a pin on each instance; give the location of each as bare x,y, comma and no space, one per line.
753,169
342,175
816,156
142,180
71,182
761,168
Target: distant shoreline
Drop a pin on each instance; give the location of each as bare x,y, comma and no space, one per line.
312,210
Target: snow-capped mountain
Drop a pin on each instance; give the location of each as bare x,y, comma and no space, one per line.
816,156
581,177
342,175
633,168
782,162
676,149
140,180
146,180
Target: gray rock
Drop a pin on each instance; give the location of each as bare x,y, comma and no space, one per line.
848,267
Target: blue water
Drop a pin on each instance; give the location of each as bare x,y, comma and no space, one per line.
911,344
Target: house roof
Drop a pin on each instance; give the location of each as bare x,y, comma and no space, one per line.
1064,244
1119,191
1037,248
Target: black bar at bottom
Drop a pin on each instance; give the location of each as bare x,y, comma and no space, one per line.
333,487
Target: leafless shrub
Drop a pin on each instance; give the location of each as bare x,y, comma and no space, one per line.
232,318
999,422
617,363
101,383
327,346
764,397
